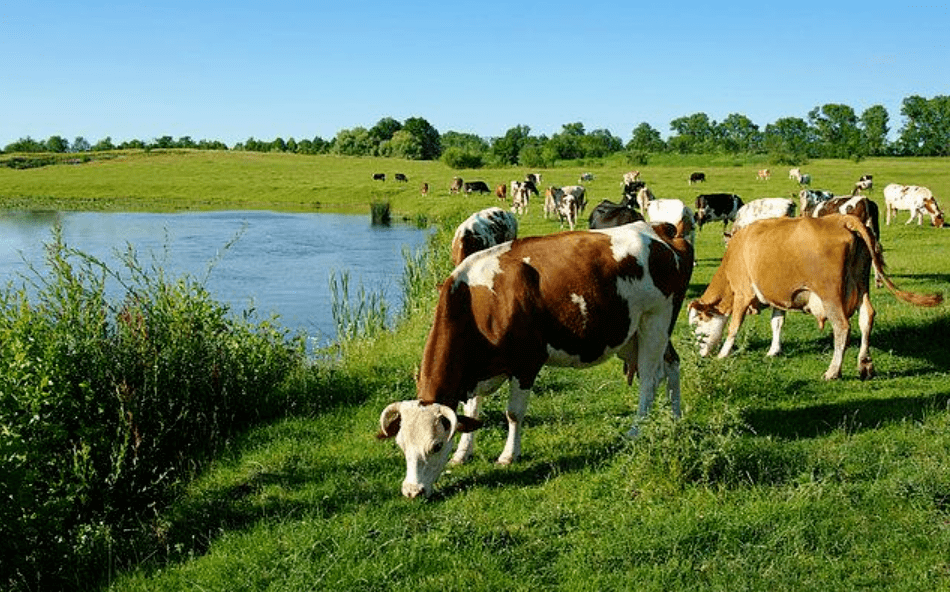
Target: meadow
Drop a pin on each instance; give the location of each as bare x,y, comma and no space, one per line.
773,479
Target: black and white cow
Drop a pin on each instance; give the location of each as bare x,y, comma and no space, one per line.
476,187
717,206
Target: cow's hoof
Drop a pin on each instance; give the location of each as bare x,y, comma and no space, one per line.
504,461
866,370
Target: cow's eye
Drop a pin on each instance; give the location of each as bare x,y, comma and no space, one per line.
437,448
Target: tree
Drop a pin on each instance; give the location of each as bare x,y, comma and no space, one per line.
80,144
427,136
874,130
26,144
354,142
738,134
600,143
506,148
384,129
836,128
103,145
926,130
57,144
694,134
466,142
402,145
646,138
788,139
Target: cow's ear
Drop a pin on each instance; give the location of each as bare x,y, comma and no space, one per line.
389,421
467,424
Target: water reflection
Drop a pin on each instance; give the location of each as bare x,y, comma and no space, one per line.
281,263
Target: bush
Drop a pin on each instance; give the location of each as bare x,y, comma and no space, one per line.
106,408
457,158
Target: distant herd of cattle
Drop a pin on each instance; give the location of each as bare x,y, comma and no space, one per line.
512,306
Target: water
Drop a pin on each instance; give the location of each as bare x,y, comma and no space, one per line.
280,263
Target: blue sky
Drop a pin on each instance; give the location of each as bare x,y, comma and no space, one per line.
231,70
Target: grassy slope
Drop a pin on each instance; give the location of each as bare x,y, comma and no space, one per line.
774,479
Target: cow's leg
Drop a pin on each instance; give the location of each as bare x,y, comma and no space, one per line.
840,326
866,322
517,407
671,368
739,308
653,339
777,322
467,440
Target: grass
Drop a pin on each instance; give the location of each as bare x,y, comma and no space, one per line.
773,479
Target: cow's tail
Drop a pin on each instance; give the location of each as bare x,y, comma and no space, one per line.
855,225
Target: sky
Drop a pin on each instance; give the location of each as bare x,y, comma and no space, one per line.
231,70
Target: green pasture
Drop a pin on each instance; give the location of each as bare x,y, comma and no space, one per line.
773,480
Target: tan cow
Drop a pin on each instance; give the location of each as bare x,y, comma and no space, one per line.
566,299
816,265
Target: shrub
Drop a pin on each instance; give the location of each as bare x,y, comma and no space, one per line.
457,158
106,407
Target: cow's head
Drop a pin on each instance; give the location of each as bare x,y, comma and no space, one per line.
424,433
708,325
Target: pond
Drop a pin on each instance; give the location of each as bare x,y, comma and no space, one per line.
280,263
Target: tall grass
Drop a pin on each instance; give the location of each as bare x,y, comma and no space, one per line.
108,406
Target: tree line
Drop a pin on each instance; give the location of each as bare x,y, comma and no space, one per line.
829,131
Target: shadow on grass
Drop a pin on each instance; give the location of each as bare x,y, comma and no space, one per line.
820,420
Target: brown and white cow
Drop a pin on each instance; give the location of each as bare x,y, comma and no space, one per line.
763,175
857,205
501,192
761,209
456,185
566,299
816,265
481,230
919,200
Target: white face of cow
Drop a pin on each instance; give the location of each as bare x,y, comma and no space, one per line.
424,433
708,329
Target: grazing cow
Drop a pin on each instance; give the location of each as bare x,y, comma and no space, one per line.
631,189
586,177
798,175
816,265
402,177
481,230
764,175
501,192
919,200
805,179
631,177
761,209
675,212
795,174
809,199
475,187
865,183
565,299
425,189
578,191
379,176
697,178
567,210
520,194
717,206
608,214
456,185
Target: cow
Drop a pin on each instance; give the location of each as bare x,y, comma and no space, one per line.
567,210
578,191
425,189
379,176
816,265
456,185
565,299
717,206
763,175
534,179
531,186
586,177
865,183
608,214
809,199
631,189
520,194
697,178
483,229
501,192
644,197
550,202
762,209
795,173
675,212
919,200
402,177
475,187
631,177
802,178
